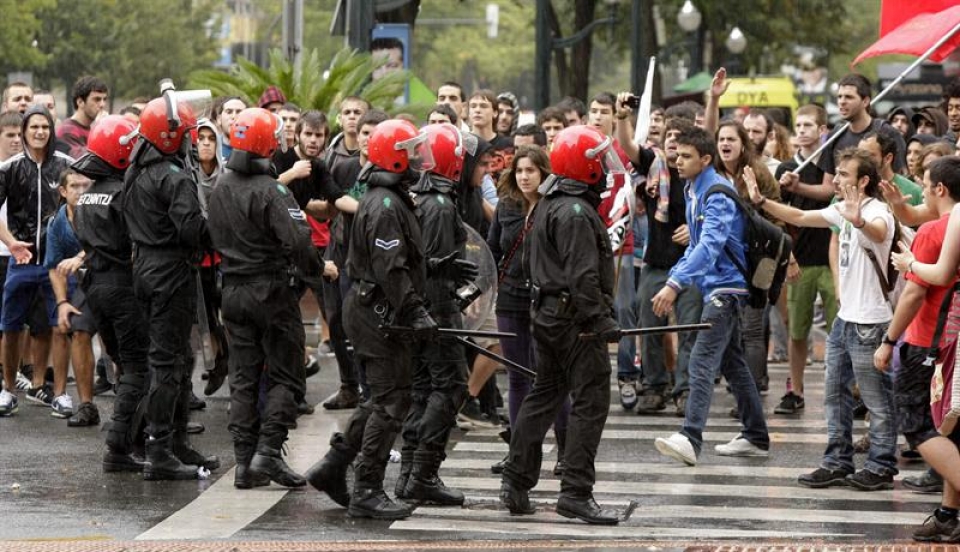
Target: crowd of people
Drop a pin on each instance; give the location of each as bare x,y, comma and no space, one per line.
113,222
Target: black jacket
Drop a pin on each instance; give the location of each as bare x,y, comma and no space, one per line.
569,250
385,241
161,204
513,292
443,233
257,227
98,217
29,187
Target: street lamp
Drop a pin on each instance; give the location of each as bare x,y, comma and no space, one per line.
689,19
546,44
736,43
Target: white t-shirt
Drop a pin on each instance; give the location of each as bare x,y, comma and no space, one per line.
4,252
862,300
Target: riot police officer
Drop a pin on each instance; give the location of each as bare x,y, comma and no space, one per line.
162,211
440,365
387,266
571,273
108,283
264,242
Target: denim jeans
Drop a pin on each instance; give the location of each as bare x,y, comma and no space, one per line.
689,307
720,349
753,325
849,359
623,304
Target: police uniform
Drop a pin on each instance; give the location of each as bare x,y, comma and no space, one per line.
440,365
572,276
264,241
162,211
108,285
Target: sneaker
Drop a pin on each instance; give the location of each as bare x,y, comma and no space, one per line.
821,478
859,411
934,530
312,367
927,482
23,382
734,413
739,446
790,403
8,403
87,415
325,349
196,403
40,395
678,447
651,400
470,412
862,446
101,386
681,402
866,480
628,393
62,406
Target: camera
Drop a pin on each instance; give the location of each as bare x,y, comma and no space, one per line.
467,295
633,102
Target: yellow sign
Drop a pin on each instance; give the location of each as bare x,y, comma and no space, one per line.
761,92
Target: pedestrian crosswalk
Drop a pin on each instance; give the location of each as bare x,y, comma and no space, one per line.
720,498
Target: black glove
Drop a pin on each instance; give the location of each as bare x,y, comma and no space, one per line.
605,329
466,271
451,268
423,325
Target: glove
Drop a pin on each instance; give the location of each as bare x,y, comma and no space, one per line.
423,325
451,268
466,271
606,329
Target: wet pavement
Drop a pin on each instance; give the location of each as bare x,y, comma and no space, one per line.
54,496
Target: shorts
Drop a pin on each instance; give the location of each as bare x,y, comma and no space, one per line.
801,296
911,394
22,285
489,325
83,322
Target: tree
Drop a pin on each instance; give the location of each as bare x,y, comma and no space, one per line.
19,28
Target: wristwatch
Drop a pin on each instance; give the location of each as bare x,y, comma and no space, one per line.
888,341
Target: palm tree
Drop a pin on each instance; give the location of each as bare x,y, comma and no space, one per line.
307,83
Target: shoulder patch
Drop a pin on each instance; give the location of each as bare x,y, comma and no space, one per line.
440,200
387,202
577,208
386,245
297,214
282,189
174,168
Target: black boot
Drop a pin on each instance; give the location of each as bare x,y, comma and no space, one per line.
189,455
425,485
162,464
217,376
329,475
516,500
406,466
583,507
243,478
346,398
117,460
269,462
375,504
561,446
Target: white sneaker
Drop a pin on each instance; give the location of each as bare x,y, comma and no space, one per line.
8,403
23,384
739,446
62,406
678,447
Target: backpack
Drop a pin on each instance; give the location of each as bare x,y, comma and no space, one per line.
768,250
892,281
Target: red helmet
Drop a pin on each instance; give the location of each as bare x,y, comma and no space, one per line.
112,139
155,125
256,131
397,145
583,153
446,145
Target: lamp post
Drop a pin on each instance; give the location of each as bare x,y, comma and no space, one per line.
546,44
736,43
689,19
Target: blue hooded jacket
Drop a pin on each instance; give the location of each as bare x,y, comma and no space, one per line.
714,225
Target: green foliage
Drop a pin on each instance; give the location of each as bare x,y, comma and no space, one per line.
307,83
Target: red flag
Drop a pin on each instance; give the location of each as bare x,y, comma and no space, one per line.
918,35
894,13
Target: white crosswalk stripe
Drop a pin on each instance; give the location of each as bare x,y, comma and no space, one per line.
720,498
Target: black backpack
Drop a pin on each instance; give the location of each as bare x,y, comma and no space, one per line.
768,250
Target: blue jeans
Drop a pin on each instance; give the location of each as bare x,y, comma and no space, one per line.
849,359
720,349
623,304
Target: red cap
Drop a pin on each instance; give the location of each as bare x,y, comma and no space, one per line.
271,95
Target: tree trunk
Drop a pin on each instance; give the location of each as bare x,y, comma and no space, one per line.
559,56
578,84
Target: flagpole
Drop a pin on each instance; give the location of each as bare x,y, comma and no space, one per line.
878,97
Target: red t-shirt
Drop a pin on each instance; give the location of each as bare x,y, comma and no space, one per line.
319,232
926,249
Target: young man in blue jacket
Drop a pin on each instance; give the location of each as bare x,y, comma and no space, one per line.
716,232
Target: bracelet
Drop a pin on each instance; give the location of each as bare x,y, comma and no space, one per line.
888,341
622,117
62,302
910,266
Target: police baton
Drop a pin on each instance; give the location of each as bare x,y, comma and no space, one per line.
456,332
653,330
502,360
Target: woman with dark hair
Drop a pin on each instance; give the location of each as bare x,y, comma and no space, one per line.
518,192
734,155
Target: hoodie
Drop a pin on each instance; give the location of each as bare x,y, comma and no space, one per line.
29,187
209,182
